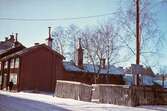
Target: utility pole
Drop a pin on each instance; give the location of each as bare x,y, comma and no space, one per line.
137,38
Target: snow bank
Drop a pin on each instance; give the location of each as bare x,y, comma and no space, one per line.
46,102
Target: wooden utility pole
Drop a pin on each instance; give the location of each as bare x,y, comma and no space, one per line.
137,38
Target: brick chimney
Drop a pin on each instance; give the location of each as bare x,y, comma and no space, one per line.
16,37
79,55
11,39
49,39
16,42
6,39
102,63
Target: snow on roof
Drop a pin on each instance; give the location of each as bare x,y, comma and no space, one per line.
146,80
70,66
90,68
111,70
128,79
160,83
1,51
116,70
5,44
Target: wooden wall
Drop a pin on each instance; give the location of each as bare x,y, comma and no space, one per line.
39,70
89,78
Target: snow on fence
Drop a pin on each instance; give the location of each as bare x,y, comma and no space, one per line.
74,90
112,94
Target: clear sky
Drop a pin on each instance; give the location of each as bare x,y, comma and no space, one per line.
32,31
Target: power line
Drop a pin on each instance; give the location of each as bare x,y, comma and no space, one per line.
55,19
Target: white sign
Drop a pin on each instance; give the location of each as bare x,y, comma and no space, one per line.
136,69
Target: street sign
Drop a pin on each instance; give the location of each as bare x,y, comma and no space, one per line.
136,69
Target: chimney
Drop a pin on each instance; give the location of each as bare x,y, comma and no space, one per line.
36,44
79,55
49,39
6,39
11,39
102,63
16,41
16,37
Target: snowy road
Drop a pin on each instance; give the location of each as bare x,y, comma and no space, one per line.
42,102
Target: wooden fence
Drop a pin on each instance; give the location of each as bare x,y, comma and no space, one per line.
130,96
149,95
112,94
74,90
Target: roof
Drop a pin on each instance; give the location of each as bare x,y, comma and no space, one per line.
160,83
69,66
30,49
5,44
11,51
146,80
89,68
146,71
8,45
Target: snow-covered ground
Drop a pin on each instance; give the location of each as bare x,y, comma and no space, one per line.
24,101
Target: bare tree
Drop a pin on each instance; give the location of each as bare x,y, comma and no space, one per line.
151,37
101,43
59,40
65,40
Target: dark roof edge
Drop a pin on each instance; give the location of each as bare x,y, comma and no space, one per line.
31,49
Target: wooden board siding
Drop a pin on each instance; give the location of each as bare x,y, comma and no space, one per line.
74,90
130,96
112,94
89,78
39,70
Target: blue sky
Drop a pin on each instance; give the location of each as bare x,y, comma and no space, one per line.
31,32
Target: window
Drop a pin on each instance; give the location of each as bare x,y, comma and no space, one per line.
6,65
12,63
17,62
13,78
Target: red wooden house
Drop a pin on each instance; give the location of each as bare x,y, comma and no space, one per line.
34,68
